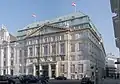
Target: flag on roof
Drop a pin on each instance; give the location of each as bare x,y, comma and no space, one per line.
73,4
33,15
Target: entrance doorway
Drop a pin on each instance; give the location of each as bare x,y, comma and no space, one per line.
45,70
53,69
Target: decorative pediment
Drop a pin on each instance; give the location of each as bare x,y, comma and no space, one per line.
45,30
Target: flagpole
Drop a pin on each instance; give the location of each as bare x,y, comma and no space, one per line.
75,9
35,19
34,16
74,5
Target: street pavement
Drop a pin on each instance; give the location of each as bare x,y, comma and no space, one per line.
64,82
105,81
111,81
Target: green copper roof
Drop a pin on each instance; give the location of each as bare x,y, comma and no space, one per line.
58,19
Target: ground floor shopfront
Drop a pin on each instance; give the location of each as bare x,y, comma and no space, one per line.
70,69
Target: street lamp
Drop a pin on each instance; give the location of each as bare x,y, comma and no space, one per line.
76,75
20,67
96,71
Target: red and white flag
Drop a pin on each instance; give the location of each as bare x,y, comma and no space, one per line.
33,15
73,4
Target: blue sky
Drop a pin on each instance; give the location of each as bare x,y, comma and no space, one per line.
15,14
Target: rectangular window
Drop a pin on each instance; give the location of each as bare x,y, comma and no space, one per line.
11,62
72,47
30,42
37,51
73,36
62,37
45,49
4,63
77,36
5,52
80,57
62,58
12,50
53,58
62,48
30,51
12,55
4,72
25,53
73,68
72,57
81,46
20,53
80,68
62,68
53,48
53,38
45,39
11,72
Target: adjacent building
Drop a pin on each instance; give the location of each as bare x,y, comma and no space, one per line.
111,67
115,8
7,52
68,45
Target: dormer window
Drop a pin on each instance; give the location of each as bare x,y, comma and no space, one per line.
37,25
60,19
73,16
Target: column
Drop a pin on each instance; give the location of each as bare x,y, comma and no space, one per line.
27,70
68,54
50,74
2,61
40,69
8,59
34,70
57,72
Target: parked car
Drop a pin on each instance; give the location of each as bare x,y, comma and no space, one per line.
28,79
44,79
3,80
86,80
61,78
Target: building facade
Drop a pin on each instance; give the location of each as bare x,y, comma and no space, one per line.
69,45
115,8
111,67
7,52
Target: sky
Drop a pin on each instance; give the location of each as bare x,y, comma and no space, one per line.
15,14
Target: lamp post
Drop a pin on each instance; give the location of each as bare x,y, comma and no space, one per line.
96,74
20,66
76,75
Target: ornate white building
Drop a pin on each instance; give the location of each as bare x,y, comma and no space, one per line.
7,52
70,45
69,52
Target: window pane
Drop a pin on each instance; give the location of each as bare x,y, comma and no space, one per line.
62,68
80,68
72,47
62,48
73,68
72,57
30,51
37,50
53,38
81,46
46,49
53,48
